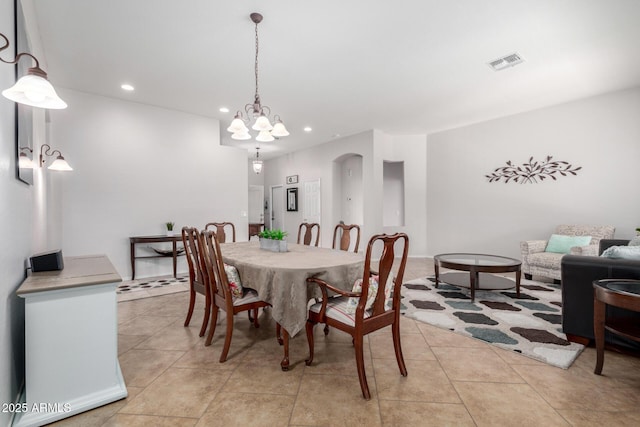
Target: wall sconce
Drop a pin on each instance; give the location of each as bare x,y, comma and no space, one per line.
24,161
59,164
33,89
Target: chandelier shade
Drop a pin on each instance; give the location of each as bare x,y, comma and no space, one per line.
262,123
32,89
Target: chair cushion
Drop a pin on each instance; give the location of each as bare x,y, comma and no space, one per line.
547,260
624,252
352,303
561,244
337,310
250,296
235,284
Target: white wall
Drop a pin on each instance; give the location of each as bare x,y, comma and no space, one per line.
393,194
137,167
375,147
600,134
351,190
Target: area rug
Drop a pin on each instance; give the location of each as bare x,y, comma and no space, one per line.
145,285
530,325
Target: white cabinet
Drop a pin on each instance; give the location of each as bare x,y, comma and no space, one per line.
71,341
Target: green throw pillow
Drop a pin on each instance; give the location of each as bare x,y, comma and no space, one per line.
562,244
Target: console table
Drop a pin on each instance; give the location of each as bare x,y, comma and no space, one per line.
71,341
255,228
153,239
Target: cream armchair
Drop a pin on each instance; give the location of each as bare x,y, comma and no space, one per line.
537,262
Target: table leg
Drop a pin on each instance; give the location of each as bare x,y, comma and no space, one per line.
285,361
436,268
598,329
133,260
518,274
473,283
175,259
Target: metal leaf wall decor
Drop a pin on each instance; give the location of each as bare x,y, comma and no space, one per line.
533,171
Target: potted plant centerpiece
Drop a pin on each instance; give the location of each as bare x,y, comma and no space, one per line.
273,240
170,228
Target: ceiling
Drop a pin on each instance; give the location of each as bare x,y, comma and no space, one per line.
343,67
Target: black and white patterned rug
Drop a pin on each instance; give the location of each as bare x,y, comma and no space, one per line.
530,325
134,286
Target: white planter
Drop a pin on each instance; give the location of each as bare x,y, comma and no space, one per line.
273,245
169,233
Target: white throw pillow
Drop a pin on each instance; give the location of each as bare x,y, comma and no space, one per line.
624,252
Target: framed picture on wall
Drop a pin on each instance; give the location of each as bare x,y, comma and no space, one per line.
292,199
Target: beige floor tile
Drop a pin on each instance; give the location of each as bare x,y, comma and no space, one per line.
174,337
475,364
266,410
619,370
145,325
261,371
578,389
141,367
425,381
598,419
201,357
413,346
124,420
332,400
438,337
494,404
127,342
178,392
423,414
97,417
335,358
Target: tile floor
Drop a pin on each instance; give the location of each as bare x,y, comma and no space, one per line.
173,380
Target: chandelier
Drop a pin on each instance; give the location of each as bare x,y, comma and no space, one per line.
266,131
257,163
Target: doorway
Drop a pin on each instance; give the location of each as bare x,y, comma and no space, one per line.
277,207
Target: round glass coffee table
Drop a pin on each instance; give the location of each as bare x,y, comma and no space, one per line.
476,264
623,293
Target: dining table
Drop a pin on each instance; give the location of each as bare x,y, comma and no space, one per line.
280,278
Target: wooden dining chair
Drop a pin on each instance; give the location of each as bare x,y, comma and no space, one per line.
220,290
345,236
308,232
198,281
359,313
219,229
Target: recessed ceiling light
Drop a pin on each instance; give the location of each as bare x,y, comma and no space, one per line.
224,110
307,129
127,87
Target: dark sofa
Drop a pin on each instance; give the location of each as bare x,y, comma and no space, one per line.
578,274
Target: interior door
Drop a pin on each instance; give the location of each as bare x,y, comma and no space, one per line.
277,207
311,202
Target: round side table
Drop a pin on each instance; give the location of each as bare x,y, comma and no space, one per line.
621,293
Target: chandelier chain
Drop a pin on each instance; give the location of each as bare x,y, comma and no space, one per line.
256,63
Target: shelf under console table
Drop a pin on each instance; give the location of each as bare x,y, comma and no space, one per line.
134,240
71,341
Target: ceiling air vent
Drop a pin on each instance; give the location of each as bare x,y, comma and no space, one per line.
506,61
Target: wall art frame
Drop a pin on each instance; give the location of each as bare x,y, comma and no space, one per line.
292,199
